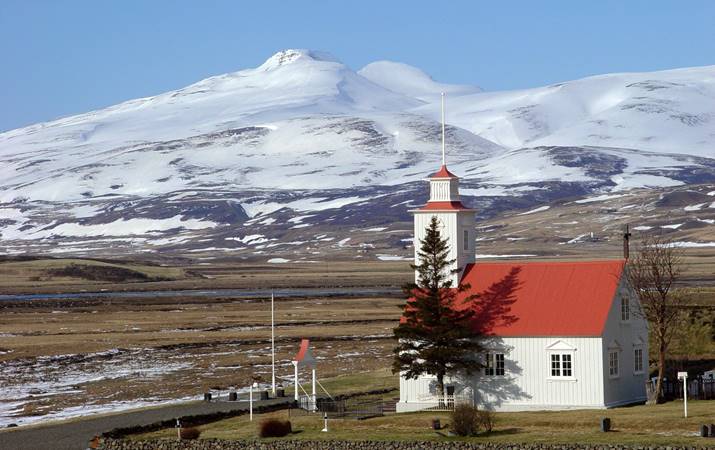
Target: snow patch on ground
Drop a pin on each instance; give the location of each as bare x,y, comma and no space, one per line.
633,181
278,261
535,210
483,256
687,244
697,207
393,258
577,238
599,198
299,219
263,207
250,239
120,227
57,375
88,410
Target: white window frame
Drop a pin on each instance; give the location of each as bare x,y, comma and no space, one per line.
492,365
561,362
638,360
614,370
625,309
562,351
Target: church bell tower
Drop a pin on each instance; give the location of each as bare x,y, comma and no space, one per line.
456,221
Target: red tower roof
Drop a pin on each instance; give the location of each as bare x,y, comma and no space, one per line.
444,206
542,298
443,173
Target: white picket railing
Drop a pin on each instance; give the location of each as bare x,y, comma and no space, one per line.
445,402
307,402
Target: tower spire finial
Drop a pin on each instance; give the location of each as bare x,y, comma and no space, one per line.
444,157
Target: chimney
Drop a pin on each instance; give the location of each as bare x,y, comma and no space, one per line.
626,242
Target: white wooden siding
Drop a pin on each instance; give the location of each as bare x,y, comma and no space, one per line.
452,226
628,387
527,383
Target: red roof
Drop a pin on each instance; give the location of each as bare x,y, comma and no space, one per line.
543,298
443,173
441,206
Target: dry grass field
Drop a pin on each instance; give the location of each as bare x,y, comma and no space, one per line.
63,357
31,276
637,425
108,352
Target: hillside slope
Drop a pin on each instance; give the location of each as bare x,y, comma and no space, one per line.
303,141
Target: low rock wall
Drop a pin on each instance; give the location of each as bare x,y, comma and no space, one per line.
216,444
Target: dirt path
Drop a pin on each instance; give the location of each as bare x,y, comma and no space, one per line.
74,435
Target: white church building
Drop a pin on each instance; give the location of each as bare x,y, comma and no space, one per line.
561,335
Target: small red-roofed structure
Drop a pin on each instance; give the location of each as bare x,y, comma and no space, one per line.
304,358
304,355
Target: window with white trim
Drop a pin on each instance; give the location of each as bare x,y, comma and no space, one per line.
637,360
561,365
613,364
494,364
625,309
466,239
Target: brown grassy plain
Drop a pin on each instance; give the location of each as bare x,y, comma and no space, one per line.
179,346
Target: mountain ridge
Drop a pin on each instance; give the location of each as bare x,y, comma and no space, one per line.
304,135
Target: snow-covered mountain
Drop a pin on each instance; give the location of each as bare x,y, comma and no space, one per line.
303,136
670,111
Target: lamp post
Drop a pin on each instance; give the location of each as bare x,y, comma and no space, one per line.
684,376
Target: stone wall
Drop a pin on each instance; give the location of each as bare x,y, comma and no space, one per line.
216,444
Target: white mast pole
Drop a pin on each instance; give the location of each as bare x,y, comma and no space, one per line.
273,348
444,159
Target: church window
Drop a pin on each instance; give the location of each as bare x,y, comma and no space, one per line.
625,309
466,239
494,364
638,360
613,364
561,365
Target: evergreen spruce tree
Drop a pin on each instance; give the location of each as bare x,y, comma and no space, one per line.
435,336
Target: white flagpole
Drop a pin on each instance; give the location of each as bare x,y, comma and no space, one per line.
444,159
273,348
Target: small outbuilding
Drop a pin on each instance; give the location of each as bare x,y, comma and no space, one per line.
304,358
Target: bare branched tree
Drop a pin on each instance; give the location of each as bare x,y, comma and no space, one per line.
653,274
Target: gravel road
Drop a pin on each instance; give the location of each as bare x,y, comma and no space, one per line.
75,434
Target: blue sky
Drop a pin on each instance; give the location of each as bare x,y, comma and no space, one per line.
65,57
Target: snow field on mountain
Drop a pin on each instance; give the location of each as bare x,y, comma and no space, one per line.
303,120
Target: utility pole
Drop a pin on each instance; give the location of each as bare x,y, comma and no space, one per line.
626,243
273,348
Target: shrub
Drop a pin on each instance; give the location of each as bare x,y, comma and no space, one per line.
465,420
486,420
190,433
274,428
